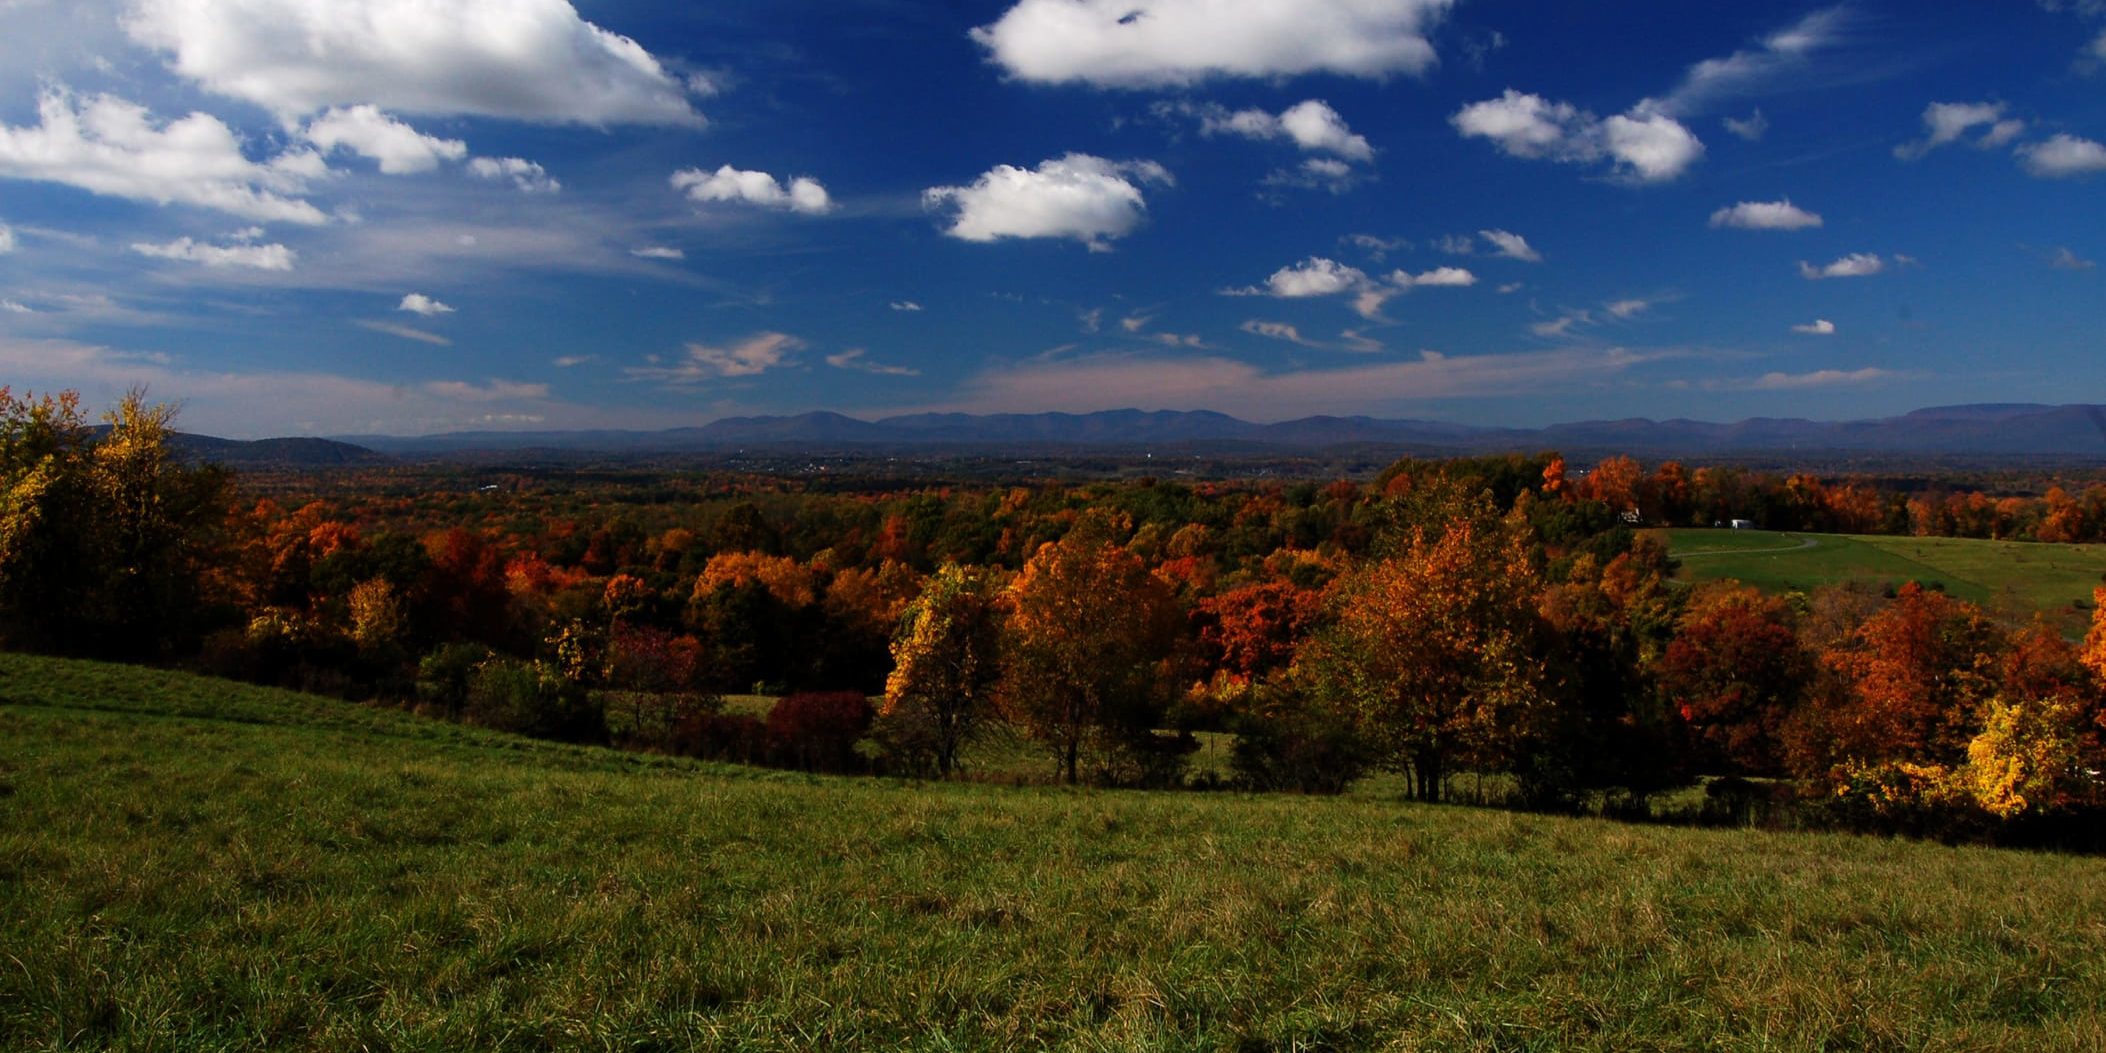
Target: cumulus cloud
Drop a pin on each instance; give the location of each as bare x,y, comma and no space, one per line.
1152,43
1316,173
1817,327
1627,309
727,184
700,362
418,303
1312,125
905,305
529,177
1315,276
1642,145
530,60
1765,215
1450,277
1945,123
1855,265
1078,196
259,257
108,146
1510,245
2063,157
856,359
657,252
399,148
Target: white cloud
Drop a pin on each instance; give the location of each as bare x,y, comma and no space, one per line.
1456,244
1627,309
1820,378
1077,196
1947,122
2063,157
418,303
728,184
1151,43
1315,276
260,257
1855,265
1751,128
657,252
700,362
1765,215
1643,145
11,307
1818,327
7,239
1510,245
399,148
1781,55
1450,277
571,361
529,177
115,148
531,60
1316,173
494,391
1312,125
1185,381
1377,248
905,305
404,331
2064,259
855,358
1276,331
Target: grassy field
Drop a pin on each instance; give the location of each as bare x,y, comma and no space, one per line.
187,864
2011,576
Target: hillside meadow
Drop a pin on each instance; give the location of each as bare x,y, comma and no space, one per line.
2015,577
190,864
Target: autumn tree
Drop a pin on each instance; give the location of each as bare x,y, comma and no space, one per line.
1436,650
1912,682
1735,671
105,541
946,659
1088,624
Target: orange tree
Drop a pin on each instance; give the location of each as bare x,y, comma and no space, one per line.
1087,628
1435,651
946,659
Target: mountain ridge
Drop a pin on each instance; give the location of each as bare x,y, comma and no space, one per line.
1988,428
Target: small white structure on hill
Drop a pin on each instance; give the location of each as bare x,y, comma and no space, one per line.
1742,524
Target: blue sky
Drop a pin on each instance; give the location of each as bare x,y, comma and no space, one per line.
353,216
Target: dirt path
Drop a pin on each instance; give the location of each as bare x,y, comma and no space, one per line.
1804,544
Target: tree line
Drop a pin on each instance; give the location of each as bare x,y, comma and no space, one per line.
1454,621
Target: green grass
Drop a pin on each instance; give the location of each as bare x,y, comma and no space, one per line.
187,864
2014,577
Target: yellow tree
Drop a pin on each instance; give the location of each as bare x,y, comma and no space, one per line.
946,659
1435,651
1088,626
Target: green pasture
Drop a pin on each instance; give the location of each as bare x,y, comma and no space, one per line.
2013,577
187,864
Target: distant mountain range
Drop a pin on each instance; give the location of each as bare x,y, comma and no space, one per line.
1992,430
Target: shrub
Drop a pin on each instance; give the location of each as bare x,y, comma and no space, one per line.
444,675
735,738
1297,750
818,730
529,699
